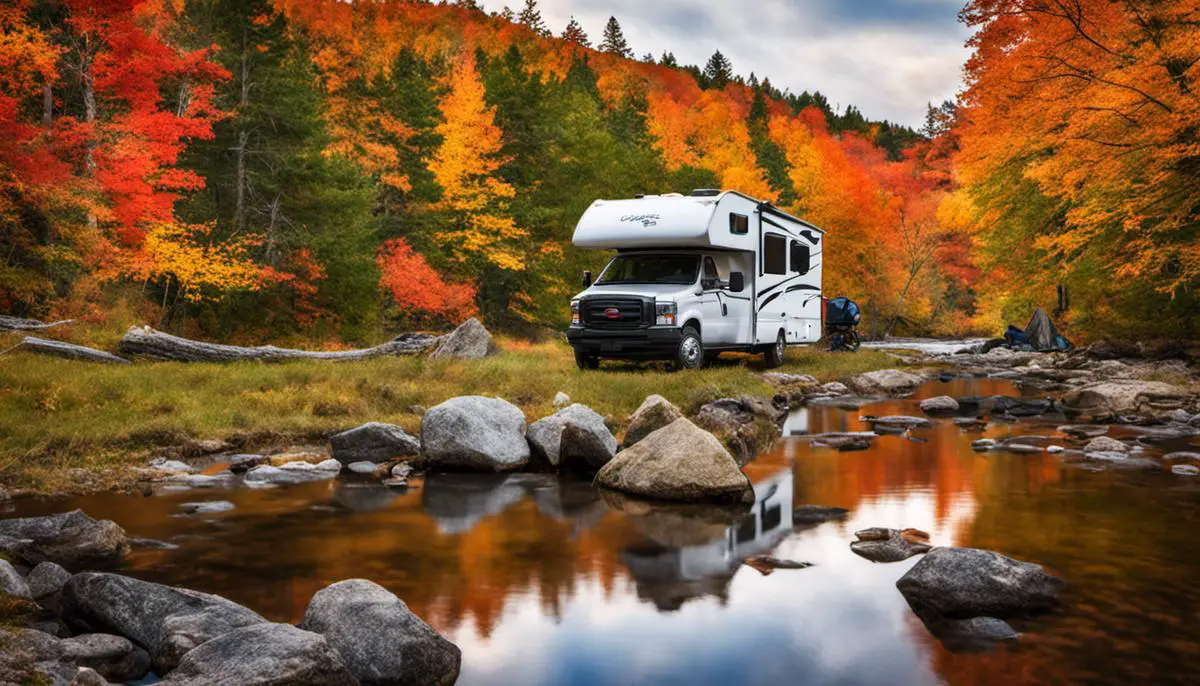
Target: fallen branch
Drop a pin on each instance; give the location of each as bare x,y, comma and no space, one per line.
68,350
143,341
8,323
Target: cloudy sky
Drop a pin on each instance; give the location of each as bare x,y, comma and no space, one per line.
887,57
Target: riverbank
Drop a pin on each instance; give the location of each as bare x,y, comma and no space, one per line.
71,427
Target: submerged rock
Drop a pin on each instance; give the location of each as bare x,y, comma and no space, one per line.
765,564
1185,470
890,382
654,413
72,539
168,622
573,436
860,440
816,514
974,635
966,582
379,639
209,507
373,442
473,432
889,545
1104,444
1084,430
678,462
942,404
263,655
897,422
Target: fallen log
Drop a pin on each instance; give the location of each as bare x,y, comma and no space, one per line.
8,323
143,341
68,350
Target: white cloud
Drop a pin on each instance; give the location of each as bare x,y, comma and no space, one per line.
886,57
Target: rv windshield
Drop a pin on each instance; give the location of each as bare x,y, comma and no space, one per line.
667,269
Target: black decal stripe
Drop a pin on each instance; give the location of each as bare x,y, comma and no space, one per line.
768,301
803,287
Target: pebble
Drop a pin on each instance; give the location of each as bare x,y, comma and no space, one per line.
1185,470
209,507
1055,449
362,467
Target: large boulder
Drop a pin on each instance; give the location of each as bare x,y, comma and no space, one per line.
168,622
470,341
473,432
573,436
72,539
379,639
680,461
11,582
1122,396
888,382
114,657
746,425
654,413
966,582
373,442
46,579
263,655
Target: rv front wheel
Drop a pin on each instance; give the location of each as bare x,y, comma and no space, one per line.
690,353
773,356
586,361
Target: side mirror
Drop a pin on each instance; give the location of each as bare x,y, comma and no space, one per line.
737,282
587,279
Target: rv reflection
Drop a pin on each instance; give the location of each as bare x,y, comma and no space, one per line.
691,552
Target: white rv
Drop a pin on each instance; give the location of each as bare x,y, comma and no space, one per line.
695,276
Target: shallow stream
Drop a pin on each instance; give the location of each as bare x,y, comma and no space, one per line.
542,580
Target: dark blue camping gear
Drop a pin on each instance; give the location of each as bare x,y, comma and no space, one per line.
841,317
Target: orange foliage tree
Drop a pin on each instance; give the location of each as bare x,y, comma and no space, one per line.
1079,138
418,290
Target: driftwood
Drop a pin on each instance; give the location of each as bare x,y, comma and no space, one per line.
67,350
143,341
8,323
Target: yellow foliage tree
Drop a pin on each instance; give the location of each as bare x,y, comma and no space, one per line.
465,166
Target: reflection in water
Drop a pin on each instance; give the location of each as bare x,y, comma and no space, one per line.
542,580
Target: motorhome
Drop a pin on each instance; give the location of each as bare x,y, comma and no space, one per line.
695,276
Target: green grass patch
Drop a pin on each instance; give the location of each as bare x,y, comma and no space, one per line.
58,415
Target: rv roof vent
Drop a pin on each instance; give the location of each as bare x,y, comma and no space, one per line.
706,192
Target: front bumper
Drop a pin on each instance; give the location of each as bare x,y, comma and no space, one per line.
651,343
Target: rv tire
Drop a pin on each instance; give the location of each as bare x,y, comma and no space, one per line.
584,361
690,353
773,355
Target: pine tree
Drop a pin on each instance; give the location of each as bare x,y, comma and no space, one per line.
668,60
532,18
507,14
574,33
614,39
718,71
752,81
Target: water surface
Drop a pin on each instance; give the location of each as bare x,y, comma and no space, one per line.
542,580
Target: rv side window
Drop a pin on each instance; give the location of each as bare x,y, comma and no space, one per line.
739,224
800,257
774,254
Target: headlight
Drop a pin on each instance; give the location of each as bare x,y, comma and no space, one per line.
574,313
664,314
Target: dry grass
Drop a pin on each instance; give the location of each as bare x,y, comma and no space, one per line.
57,416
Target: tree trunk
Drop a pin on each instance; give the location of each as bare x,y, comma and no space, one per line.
67,350
144,341
8,323
239,215
47,104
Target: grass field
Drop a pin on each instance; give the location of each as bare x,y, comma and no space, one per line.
56,415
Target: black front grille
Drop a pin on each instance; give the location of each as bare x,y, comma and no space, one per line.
617,313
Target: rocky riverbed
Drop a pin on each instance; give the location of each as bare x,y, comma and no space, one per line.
673,508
